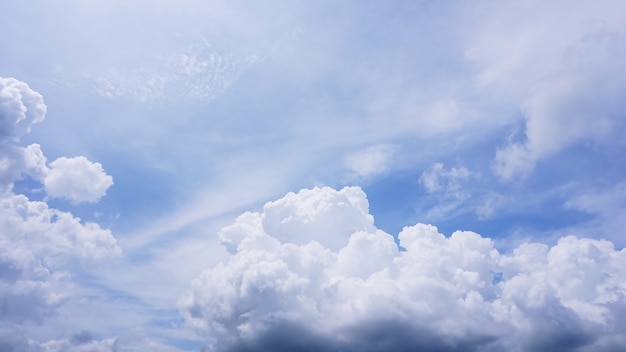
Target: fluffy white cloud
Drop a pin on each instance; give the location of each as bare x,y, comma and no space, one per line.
448,186
41,247
20,108
289,285
320,214
37,245
77,179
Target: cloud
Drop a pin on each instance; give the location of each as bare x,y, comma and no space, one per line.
82,342
568,81
198,73
20,108
38,246
321,214
311,271
437,178
370,161
77,179
41,247
448,186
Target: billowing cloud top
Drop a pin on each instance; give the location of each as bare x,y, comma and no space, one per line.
311,272
20,108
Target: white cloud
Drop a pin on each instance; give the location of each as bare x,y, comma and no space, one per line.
10,166
320,214
35,232
438,179
489,205
285,287
41,247
370,161
35,162
20,108
568,80
448,186
77,179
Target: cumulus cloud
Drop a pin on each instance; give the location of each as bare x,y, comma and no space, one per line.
20,108
293,282
40,247
77,179
37,245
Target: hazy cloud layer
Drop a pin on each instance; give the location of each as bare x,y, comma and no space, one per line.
567,79
294,282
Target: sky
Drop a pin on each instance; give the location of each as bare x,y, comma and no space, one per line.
312,175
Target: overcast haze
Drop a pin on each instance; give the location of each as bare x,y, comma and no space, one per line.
312,175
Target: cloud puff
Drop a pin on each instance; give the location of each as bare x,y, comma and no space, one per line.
40,247
296,282
76,179
20,108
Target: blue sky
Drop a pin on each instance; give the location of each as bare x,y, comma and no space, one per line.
172,174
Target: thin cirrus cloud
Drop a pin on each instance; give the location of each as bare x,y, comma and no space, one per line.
353,288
